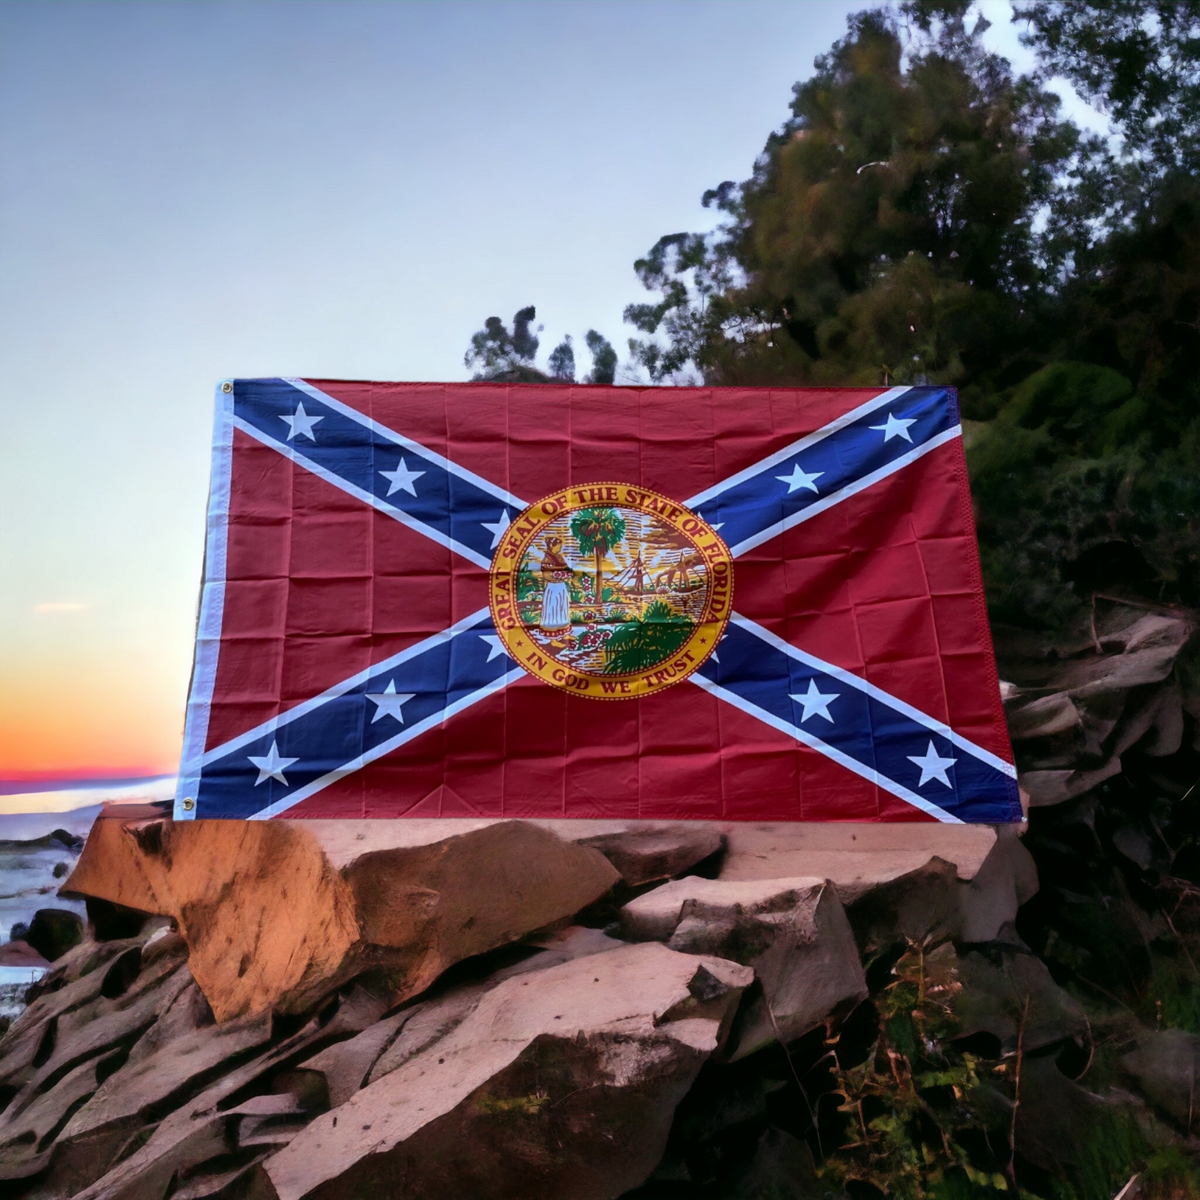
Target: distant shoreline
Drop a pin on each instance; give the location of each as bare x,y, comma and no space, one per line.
26,787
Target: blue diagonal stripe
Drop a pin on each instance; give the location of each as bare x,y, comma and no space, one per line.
447,503
758,504
868,731
337,733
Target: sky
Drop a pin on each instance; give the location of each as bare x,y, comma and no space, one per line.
193,191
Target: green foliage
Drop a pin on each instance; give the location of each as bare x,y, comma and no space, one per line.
887,229
604,358
495,350
646,641
562,360
598,530
1137,60
924,215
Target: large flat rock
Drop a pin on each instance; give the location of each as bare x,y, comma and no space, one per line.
277,913
854,857
559,1084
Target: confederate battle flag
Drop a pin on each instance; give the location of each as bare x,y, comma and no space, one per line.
547,600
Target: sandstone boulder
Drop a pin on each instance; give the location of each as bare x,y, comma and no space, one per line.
560,1083
793,933
278,913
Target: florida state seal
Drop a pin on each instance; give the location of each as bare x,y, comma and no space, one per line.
610,591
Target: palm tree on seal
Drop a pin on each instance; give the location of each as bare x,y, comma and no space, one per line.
598,530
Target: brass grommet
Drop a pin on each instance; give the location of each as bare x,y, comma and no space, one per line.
188,804
227,386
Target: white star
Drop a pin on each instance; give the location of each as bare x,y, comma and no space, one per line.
896,427
815,702
932,767
301,423
495,645
389,702
716,525
798,479
497,528
271,765
402,477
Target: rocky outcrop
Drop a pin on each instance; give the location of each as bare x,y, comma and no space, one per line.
276,913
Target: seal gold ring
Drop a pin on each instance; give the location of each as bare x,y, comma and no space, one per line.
610,591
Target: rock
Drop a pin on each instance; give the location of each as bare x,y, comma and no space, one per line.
561,1083
1081,708
180,1050
1053,787
391,1042
854,857
54,931
206,1126
1055,1118
441,1014
781,1169
21,954
651,852
921,907
68,1042
933,903
1010,995
1007,879
793,933
278,913
346,1065
1042,716
1166,1069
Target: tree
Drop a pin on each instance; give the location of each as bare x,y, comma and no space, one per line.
497,354
924,215
1137,61
494,350
888,230
604,358
562,360
598,530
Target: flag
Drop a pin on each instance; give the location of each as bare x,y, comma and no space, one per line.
550,600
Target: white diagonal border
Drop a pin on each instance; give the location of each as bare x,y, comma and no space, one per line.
809,439
352,489
277,722
815,743
844,493
876,693
484,485
405,735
